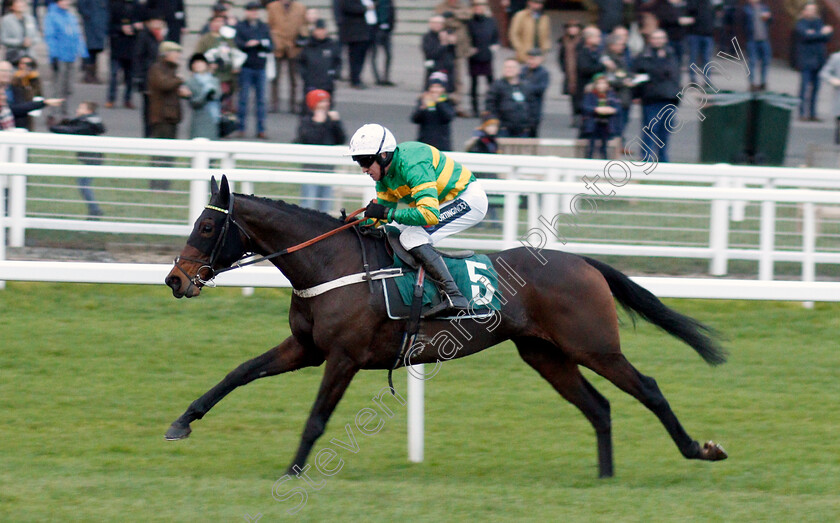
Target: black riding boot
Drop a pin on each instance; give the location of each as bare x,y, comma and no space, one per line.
435,266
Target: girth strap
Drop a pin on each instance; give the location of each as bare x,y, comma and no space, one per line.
350,279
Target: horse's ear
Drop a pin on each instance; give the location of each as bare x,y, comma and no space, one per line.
224,192
214,187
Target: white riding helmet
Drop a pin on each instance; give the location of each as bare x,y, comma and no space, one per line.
373,139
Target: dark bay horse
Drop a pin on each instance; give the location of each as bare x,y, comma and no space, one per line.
560,313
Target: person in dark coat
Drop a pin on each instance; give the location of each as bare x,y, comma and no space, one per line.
88,123
433,113
253,37
96,22
355,34
601,109
567,60
484,40
619,76
485,138
319,126
166,88
319,61
537,78
657,61
173,14
145,54
701,32
385,21
610,14
511,101
588,62
123,28
438,46
674,20
812,35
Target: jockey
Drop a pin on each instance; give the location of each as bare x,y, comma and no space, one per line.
443,197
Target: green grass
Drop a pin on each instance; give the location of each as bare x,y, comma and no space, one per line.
91,376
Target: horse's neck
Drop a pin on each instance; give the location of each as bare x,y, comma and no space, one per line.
275,228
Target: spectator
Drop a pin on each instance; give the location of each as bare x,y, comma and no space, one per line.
95,19
252,36
567,58
66,45
355,34
484,37
536,77
224,57
173,14
601,108
286,20
530,28
455,18
619,76
588,63
812,36
320,126
831,74
205,95
610,14
320,61
386,19
18,31
123,27
659,63
512,7
438,49
166,89
88,123
757,18
12,112
674,20
701,31
433,113
484,137
26,86
510,100
145,54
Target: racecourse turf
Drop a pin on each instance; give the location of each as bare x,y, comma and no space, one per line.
91,376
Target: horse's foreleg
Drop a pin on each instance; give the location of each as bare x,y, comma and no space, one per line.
289,355
564,375
618,370
338,374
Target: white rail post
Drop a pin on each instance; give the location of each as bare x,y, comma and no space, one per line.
739,206
510,225
566,199
767,238
809,242
719,233
198,188
17,200
533,210
550,202
247,188
416,390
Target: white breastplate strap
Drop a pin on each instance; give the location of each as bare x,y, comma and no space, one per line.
350,279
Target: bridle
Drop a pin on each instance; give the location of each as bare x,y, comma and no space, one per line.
198,281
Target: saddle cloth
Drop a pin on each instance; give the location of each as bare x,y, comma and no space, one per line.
475,276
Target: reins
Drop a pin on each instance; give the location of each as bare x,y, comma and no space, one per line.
239,263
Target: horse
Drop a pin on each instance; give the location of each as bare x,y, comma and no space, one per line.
560,313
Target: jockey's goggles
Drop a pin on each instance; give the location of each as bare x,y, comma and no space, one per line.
364,160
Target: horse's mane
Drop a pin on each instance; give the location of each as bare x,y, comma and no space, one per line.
296,210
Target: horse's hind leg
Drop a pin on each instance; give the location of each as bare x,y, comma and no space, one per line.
564,375
289,355
616,368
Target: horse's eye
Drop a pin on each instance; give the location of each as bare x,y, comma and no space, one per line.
206,228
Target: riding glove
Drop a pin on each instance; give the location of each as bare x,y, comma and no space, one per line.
379,212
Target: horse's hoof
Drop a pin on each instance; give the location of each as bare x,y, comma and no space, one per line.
177,432
714,452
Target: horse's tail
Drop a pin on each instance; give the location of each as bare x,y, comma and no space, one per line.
636,299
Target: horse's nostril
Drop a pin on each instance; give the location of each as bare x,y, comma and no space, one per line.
174,282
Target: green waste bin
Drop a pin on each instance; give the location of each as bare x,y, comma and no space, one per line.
771,123
724,132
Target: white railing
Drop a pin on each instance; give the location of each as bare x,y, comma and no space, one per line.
549,183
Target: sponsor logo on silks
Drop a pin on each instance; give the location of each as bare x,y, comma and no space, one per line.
452,211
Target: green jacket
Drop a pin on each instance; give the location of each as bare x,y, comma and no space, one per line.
422,177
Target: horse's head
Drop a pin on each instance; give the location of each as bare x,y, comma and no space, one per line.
215,243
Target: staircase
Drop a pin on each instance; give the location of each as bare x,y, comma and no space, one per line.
412,15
